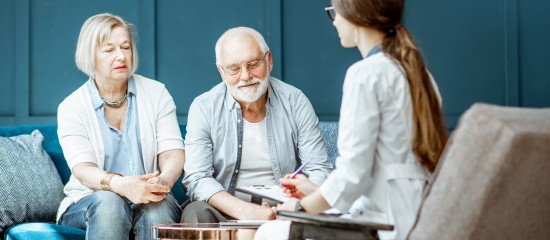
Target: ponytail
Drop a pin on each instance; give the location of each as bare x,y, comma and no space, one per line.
429,131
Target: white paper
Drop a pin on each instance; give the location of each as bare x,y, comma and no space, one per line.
274,192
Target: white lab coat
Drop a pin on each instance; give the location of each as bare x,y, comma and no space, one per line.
377,175
377,171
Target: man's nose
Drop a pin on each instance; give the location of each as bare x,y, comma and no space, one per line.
245,73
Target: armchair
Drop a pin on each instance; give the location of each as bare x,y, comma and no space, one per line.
492,182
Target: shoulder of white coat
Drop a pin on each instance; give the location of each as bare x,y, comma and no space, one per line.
379,63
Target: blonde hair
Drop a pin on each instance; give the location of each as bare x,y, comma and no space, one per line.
239,31
95,31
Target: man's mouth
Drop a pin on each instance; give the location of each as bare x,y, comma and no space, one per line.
249,85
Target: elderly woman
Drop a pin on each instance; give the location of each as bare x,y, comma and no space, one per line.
121,139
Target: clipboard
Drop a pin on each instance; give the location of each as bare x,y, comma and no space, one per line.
273,192
332,221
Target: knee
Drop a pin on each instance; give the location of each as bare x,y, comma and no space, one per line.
109,205
195,208
199,212
163,212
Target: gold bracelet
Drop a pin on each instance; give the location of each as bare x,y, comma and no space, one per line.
105,183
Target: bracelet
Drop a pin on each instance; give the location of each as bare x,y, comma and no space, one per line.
105,183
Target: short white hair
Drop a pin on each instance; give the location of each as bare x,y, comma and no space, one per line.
95,31
239,31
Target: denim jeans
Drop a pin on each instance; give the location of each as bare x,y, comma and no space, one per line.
106,215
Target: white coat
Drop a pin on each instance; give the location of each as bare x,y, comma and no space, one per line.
377,171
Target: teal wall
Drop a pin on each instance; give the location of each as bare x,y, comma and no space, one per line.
492,51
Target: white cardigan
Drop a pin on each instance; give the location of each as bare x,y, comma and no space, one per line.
80,136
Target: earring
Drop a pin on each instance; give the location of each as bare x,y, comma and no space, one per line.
355,36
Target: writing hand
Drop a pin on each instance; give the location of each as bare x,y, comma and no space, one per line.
297,187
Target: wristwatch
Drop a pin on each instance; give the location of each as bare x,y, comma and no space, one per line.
298,207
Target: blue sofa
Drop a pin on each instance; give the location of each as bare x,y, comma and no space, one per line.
51,145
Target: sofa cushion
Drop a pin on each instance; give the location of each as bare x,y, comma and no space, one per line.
44,231
31,187
329,131
51,144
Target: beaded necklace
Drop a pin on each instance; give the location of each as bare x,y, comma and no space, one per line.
116,103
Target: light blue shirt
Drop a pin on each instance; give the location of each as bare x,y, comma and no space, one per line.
122,149
213,144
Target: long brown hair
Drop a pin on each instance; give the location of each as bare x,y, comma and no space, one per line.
429,131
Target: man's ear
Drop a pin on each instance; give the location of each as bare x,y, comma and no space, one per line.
220,70
270,61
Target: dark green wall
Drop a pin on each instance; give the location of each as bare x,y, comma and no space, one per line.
492,51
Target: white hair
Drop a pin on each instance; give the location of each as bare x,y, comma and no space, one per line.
239,31
95,31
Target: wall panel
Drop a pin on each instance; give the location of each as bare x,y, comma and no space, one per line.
490,51
464,46
314,60
54,28
534,33
7,74
187,32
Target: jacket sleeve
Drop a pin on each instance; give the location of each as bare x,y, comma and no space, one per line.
72,125
357,139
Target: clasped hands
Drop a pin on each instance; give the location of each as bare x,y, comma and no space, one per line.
141,189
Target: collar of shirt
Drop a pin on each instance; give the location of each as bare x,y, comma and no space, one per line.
376,49
97,102
231,103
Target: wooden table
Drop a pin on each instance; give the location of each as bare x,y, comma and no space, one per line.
209,231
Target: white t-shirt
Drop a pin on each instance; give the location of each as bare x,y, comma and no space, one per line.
256,168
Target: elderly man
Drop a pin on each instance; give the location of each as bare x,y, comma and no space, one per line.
250,129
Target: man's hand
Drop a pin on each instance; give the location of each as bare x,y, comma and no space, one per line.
297,187
137,188
258,212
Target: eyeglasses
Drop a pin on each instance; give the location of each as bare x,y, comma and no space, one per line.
252,65
330,11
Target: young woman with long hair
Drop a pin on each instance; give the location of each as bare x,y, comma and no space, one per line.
391,130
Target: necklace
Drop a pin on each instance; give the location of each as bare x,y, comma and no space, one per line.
116,103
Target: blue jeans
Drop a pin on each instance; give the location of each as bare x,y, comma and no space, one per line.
106,215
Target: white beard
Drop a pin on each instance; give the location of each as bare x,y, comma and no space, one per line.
249,95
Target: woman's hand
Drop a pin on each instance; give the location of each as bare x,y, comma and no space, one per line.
137,188
289,205
297,187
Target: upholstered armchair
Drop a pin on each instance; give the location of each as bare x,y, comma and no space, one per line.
492,182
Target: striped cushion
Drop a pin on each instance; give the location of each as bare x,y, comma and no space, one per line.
31,187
